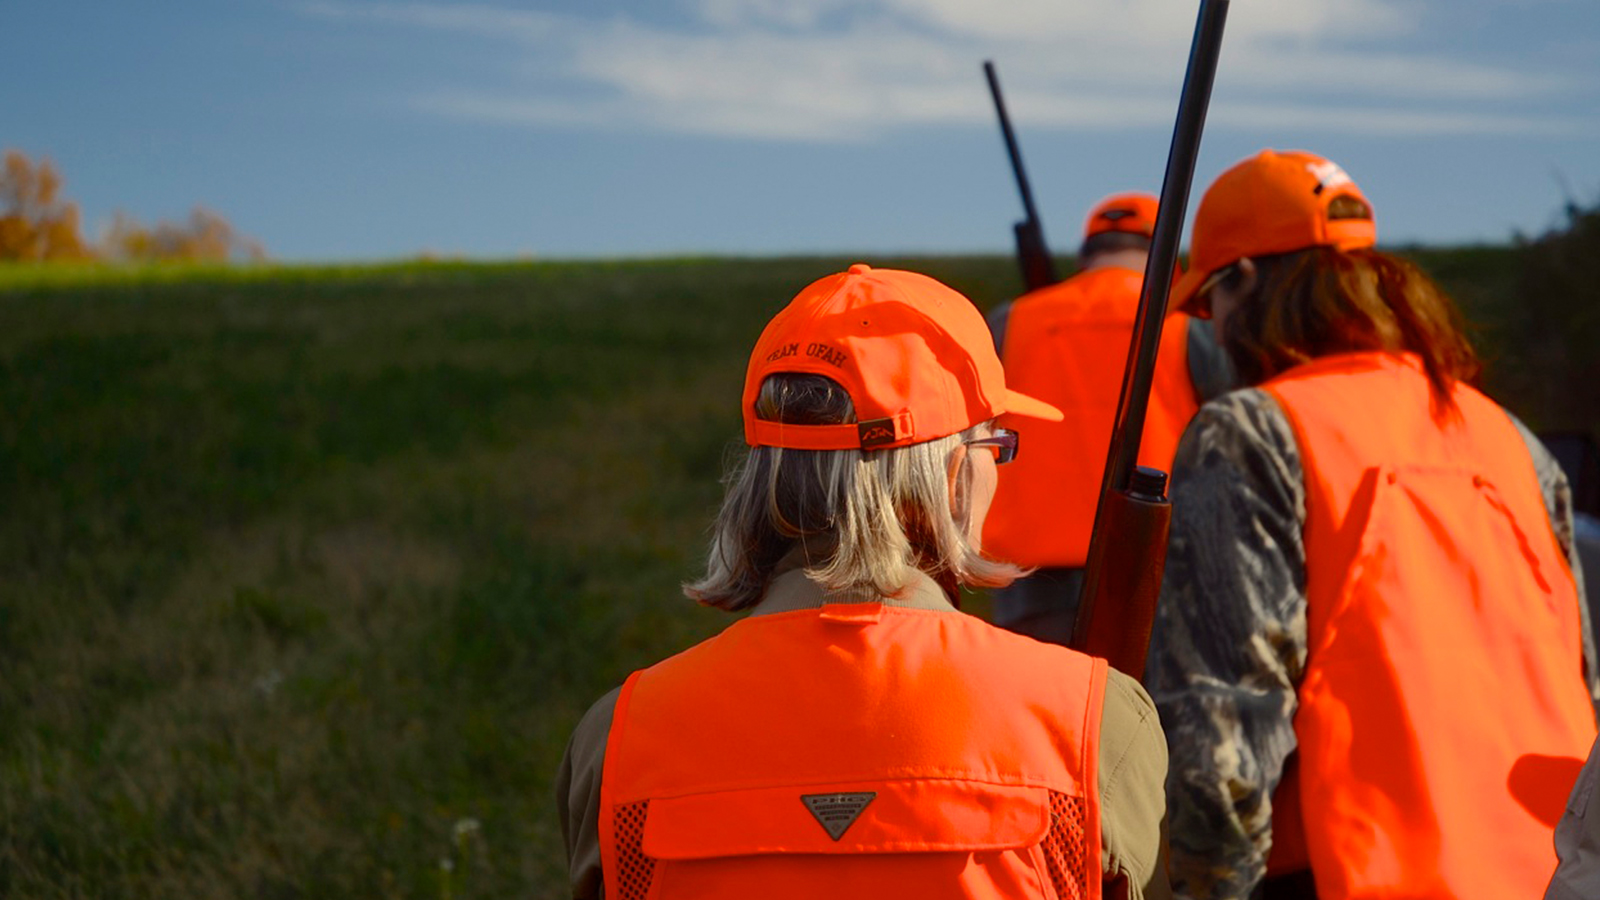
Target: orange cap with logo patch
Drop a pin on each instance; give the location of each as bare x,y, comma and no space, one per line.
1132,213
1274,202
915,356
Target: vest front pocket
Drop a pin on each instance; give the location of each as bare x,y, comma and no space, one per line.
914,837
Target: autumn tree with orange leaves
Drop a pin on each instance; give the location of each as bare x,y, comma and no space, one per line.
35,223
205,237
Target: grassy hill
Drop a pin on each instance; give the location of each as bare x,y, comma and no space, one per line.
308,572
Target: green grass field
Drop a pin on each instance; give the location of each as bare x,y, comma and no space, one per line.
307,573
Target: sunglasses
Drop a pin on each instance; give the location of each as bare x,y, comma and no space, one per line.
1003,442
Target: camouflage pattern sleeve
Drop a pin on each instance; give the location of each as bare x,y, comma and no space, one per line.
1229,644
1557,493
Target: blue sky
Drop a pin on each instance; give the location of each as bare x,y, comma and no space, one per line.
351,129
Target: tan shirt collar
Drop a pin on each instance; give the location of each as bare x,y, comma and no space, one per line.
791,589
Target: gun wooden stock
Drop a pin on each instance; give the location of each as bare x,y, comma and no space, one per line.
1128,548
1123,579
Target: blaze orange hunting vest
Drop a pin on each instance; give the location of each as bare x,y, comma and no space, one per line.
1443,713
856,750
1067,344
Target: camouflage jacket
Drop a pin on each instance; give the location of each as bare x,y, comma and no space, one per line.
1229,646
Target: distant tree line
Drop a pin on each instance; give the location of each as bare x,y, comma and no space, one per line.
1555,320
37,224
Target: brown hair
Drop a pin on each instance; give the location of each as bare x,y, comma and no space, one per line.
1320,301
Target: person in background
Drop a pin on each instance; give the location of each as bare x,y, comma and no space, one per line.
1068,344
1370,654
1577,875
856,735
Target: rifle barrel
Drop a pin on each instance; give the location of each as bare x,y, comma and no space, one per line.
1011,142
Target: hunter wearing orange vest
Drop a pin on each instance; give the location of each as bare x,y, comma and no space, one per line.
1068,344
856,735
1370,653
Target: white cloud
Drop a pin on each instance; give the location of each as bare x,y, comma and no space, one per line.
520,25
798,14
833,70
1369,120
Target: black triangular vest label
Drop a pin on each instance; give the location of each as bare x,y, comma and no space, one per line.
837,812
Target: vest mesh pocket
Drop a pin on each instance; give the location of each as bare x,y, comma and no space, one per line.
1063,847
635,871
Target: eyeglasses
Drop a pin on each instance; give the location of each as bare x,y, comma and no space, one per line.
1202,295
1003,442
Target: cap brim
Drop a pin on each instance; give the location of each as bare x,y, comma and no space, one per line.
1185,291
1033,408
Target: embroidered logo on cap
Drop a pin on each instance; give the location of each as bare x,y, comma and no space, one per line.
876,432
1328,175
837,812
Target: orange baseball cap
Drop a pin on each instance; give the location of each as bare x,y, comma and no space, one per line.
915,356
1134,213
1273,202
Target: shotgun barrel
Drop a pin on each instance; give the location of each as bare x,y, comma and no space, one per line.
1128,547
1033,255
